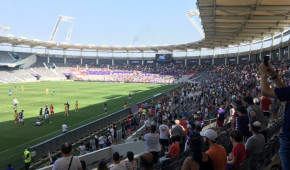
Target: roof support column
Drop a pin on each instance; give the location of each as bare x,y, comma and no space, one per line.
199,60
226,57
113,62
81,57
288,52
128,57
238,57
271,56
64,57
97,58
185,60
250,51
281,40
261,50
142,58
30,49
47,52
279,54
213,56
13,48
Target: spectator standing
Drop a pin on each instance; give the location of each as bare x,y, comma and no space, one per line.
97,142
232,117
255,144
281,92
255,113
238,152
101,141
266,104
164,134
198,159
220,117
216,152
119,165
68,161
82,149
242,122
152,140
177,130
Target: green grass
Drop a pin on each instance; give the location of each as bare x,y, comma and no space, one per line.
91,96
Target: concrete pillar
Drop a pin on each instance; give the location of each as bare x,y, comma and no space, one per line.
185,60
97,58
142,58
213,56
288,52
279,54
64,57
47,52
200,57
113,58
127,57
81,57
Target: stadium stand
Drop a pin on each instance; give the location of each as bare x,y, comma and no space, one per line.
221,80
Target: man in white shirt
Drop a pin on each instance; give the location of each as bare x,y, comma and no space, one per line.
112,131
147,123
101,141
119,165
164,133
152,145
68,161
82,149
64,128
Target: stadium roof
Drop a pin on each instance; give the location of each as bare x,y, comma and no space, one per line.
225,22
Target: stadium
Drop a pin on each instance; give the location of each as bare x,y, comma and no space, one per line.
109,94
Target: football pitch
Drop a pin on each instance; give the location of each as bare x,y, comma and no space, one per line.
90,95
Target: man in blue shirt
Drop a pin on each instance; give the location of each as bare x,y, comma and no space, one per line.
281,92
220,117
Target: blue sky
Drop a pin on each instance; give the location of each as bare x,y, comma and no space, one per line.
103,22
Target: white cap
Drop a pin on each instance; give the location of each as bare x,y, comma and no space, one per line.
210,134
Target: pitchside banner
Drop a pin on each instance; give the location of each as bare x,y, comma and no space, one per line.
244,59
105,61
120,61
192,62
232,60
179,62
219,61
149,62
135,62
206,61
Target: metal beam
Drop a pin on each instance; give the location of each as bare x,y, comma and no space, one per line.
246,8
237,17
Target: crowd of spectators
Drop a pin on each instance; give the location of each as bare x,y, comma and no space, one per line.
176,120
